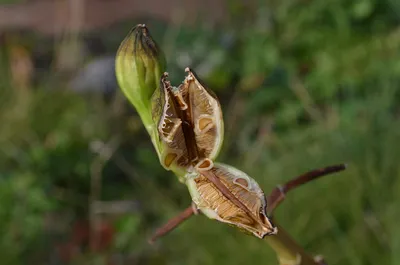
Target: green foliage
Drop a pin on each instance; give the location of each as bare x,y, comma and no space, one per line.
303,84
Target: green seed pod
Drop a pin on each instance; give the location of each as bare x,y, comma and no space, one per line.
139,65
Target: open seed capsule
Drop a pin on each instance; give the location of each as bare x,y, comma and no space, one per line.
206,115
169,125
189,120
247,211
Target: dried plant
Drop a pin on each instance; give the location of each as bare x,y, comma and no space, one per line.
186,127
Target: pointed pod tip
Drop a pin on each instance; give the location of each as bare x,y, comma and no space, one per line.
272,232
190,75
164,80
140,27
145,30
164,77
143,26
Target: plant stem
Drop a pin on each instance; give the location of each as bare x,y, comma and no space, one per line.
287,250
278,194
172,223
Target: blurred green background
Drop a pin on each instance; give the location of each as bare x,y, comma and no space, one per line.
303,84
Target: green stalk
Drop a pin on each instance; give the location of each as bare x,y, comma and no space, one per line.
287,250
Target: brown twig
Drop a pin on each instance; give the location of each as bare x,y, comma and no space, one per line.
278,194
311,175
275,198
173,223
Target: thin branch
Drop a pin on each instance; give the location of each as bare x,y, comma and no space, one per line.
278,194
311,175
173,223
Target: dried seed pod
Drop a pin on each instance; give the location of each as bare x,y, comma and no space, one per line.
246,210
206,115
189,120
169,125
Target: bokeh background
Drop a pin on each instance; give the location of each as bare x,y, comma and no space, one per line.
303,84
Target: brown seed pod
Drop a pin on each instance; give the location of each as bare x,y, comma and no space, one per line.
189,120
169,126
211,186
206,116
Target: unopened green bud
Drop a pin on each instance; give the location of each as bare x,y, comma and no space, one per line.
139,65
